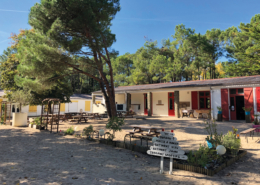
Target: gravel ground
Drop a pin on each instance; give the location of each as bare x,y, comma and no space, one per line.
29,156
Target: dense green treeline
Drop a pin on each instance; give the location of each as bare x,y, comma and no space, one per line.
193,56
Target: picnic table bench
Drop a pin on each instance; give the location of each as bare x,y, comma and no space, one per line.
250,131
143,132
79,118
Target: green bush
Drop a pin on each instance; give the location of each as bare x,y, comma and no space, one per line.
203,157
231,142
115,124
69,131
37,121
87,131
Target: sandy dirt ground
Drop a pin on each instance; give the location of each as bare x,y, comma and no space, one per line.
30,156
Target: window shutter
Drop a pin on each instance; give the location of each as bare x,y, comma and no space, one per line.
194,99
87,105
258,99
62,107
33,108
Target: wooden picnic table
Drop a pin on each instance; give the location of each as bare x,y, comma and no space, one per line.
143,132
142,128
79,118
250,131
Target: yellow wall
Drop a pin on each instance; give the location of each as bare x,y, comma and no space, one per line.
32,108
120,98
74,101
87,105
62,107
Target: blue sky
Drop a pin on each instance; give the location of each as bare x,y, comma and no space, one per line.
155,19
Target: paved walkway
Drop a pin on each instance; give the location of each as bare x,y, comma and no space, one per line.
28,156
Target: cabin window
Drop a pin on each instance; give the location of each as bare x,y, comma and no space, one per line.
204,99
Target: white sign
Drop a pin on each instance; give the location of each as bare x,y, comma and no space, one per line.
167,154
167,146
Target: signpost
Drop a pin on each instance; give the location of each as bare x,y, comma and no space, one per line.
166,145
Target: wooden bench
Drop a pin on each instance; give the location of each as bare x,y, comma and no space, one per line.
250,131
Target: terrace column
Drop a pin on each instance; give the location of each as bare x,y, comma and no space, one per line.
128,101
149,103
176,104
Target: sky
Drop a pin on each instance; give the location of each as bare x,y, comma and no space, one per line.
141,19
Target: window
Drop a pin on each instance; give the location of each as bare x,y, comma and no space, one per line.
232,91
240,91
204,99
120,107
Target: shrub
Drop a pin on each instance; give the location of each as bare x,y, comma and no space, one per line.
87,131
203,157
247,109
231,142
219,108
69,131
214,138
37,121
115,124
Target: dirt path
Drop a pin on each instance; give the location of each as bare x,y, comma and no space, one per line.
28,156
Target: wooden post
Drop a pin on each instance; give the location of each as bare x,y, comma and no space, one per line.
58,118
149,103
176,104
170,172
161,166
128,101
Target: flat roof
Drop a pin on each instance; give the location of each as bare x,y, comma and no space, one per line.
245,80
84,96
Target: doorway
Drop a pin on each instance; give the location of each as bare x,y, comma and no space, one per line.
237,102
171,104
239,111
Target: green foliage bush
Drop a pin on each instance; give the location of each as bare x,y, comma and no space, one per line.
87,131
114,124
203,157
69,131
231,142
37,121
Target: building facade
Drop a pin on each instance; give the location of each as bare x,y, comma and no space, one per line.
167,99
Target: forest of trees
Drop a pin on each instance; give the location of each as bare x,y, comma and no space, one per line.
186,56
193,56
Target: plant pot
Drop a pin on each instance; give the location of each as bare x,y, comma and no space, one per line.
42,127
219,112
30,125
257,128
247,112
209,144
36,126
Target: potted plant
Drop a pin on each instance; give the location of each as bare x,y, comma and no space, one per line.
36,123
247,110
256,123
219,110
214,139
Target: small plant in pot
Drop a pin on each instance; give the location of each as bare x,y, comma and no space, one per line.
37,123
214,139
247,110
219,110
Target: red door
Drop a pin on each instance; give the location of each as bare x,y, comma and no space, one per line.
233,115
258,99
249,102
171,104
224,104
145,104
194,100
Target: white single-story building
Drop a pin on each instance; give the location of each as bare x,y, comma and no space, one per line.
166,99
79,102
